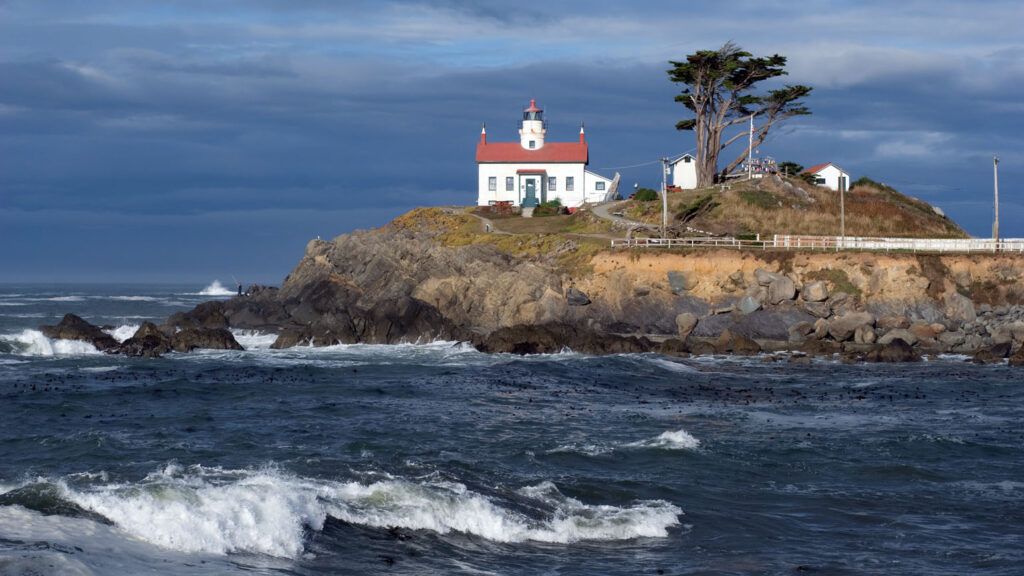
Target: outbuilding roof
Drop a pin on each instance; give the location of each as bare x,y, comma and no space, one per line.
549,153
819,167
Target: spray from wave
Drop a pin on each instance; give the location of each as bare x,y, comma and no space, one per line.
34,343
671,440
215,289
211,510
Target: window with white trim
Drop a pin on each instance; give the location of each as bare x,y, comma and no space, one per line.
533,144
570,183
599,186
510,184
492,184
552,183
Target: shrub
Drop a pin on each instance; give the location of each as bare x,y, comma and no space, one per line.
646,195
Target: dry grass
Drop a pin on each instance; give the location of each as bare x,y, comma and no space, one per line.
763,207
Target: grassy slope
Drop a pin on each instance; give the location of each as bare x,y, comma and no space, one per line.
764,207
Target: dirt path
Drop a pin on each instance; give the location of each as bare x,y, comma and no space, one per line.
604,211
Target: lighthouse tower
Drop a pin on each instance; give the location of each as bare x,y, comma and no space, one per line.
531,135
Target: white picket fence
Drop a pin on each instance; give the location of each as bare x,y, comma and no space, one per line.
832,243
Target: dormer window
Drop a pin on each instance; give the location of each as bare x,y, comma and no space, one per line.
533,144
687,159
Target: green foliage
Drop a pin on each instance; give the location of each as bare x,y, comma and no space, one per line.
761,199
865,181
554,203
549,208
790,168
701,205
646,195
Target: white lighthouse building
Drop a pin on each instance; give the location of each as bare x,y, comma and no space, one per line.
533,171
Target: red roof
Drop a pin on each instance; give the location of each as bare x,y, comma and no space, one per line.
817,168
531,171
551,152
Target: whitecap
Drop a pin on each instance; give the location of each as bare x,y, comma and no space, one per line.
199,509
123,332
215,289
34,343
670,440
132,298
254,339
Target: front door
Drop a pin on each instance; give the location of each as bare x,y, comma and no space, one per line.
530,200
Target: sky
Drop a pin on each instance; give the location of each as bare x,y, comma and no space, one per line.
187,140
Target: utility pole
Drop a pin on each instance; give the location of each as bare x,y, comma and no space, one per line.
995,188
750,150
842,210
664,198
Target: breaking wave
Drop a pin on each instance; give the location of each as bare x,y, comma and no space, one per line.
671,440
215,289
34,343
211,510
123,332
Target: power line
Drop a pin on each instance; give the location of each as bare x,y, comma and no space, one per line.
658,161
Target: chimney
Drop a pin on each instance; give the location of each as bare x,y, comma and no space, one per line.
483,133
582,136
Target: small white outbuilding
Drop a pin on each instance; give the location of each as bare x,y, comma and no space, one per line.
683,172
830,176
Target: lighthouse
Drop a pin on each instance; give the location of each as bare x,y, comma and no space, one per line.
531,134
532,171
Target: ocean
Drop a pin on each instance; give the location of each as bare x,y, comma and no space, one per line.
437,459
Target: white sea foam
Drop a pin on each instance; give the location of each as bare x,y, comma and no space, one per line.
673,366
215,289
34,343
254,339
671,440
123,332
217,511
132,298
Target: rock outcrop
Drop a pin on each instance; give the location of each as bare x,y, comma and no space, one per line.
72,327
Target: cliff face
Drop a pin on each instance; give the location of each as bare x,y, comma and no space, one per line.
417,280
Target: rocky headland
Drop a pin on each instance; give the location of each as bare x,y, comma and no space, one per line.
433,274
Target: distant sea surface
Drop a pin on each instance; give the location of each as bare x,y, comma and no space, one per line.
437,459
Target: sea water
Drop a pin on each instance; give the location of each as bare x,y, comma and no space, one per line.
437,459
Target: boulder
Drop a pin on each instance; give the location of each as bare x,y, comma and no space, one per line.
685,323
781,289
960,308
748,304
901,333
892,322
72,327
950,339
674,347
575,297
554,337
148,341
189,339
815,292
820,328
1017,359
729,341
800,331
818,309
993,354
764,277
895,351
864,335
842,328
680,282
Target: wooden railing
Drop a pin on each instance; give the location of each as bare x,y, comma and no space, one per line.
831,243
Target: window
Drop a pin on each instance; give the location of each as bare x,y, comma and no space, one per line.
599,186
570,183
552,183
492,183
510,184
533,144
687,159
819,181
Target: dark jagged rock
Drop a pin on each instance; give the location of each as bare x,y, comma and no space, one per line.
189,339
556,337
729,341
148,341
205,315
993,354
72,327
576,297
895,351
